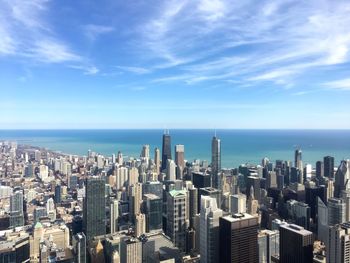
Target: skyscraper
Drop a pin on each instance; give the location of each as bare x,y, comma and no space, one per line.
296,244
298,163
176,217
170,170
166,149
94,207
319,170
238,235
338,250
253,204
114,214
145,151
50,209
135,199
16,209
215,161
322,221
153,205
328,162
268,242
342,178
336,211
130,250
238,203
179,160
209,230
193,204
157,160
79,248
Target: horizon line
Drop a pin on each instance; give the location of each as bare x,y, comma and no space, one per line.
157,128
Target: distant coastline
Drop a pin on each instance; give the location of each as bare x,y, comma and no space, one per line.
238,145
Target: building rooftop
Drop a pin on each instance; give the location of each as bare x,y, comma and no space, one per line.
151,196
238,217
175,193
296,229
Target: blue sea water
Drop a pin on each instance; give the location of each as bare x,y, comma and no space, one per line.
238,146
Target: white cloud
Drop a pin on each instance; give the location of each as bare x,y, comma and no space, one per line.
342,84
26,33
136,70
93,31
50,51
277,41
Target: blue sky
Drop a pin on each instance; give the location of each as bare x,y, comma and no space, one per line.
175,64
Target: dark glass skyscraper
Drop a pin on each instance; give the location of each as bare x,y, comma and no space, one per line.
166,149
296,244
319,169
238,236
298,159
94,207
215,161
328,164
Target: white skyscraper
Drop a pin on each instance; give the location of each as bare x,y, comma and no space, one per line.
338,250
145,151
171,170
157,160
114,214
238,203
50,209
43,172
209,230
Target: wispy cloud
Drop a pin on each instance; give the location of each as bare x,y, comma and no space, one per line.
217,40
26,33
342,84
136,70
93,31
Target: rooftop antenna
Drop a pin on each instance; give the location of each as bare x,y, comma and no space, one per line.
215,132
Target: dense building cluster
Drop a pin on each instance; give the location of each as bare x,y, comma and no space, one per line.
57,207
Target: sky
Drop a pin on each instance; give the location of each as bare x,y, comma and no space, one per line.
175,64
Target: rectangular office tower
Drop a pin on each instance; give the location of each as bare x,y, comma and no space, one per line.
94,207
153,207
238,236
215,161
166,150
296,244
176,217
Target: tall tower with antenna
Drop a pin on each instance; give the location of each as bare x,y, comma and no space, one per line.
166,149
